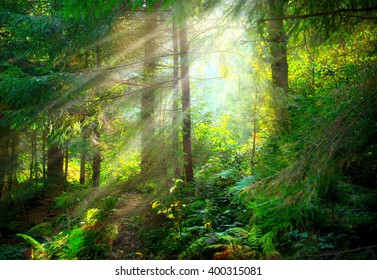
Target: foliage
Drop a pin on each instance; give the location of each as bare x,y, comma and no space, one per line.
12,251
39,251
72,74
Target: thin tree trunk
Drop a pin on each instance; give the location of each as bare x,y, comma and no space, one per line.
84,135
35,157
66,157
175,133
96,176
44,173
82,168
255,122
4,137
97,158
185,80
33,160
83,155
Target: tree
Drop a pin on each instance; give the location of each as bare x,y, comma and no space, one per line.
186,101
96,138
175,119
279,65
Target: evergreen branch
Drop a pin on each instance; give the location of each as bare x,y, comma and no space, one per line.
325,13
121,65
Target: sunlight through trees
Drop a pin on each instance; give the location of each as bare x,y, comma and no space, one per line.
188,129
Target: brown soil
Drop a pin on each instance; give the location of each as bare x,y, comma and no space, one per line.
130,215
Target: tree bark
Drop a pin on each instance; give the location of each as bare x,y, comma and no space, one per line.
55,160
83,155
34,160
96,139
279,64
44,173
186,100
4,145
14,160
97,158
66,157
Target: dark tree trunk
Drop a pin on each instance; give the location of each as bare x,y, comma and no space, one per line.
96,175
279,64
44,158
34,159
185,79
4,145
55,160
83,155
66,157
97,158
82,168
85,132
14,160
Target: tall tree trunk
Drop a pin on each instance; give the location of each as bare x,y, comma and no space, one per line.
255,123
83,155
175,132
34,164
14,160
148,162
55,160
82,168
44,158
66,157
96,175
185,80
84,134
97,158
4,145
279,64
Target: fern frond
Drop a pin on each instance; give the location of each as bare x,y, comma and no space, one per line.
39,252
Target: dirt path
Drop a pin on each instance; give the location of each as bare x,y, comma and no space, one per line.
132,211
131,214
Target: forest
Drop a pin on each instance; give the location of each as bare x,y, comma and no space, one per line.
186,130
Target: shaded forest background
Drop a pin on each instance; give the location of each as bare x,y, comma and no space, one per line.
188,129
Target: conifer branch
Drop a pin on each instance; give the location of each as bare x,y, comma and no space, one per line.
324,13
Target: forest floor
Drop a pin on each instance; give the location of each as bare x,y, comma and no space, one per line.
131,214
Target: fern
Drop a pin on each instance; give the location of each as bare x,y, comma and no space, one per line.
75,244
39,252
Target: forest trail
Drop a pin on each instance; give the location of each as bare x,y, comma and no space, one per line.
131,213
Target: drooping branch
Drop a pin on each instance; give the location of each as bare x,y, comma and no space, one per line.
324,13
